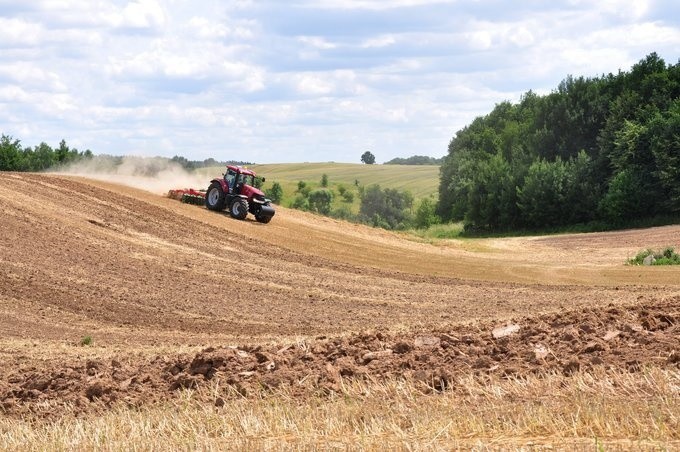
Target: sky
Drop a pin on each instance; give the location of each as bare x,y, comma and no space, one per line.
301,80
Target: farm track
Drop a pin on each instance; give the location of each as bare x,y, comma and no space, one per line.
165,288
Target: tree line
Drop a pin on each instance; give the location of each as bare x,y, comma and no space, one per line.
15,157
415,160
207,163
603,149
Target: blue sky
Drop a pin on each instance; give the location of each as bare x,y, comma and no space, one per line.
299,81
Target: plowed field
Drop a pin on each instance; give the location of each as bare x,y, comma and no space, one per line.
173,294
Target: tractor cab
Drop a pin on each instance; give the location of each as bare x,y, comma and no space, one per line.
237,177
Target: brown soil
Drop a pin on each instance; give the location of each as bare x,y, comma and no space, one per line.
171,293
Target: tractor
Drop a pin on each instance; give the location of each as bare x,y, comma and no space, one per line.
236,191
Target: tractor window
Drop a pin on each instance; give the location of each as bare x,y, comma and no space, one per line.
245,179
230,177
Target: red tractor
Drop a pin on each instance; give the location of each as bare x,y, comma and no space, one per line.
237,192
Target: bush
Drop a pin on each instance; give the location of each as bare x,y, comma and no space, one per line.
388,208
425,215
275,193
348,197
320,200
342,213
300,202
86,340
666,257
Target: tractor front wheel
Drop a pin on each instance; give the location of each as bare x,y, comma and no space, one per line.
214,197
239,209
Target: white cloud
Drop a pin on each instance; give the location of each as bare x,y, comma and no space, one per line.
521,37
316,42
32,75
141,14
634,10
479,40
374,4
380,41
308,84
337,83
19,32
210,30
635,35
13,93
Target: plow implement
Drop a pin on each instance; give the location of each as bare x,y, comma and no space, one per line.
188,195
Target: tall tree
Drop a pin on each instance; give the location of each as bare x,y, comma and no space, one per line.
368,158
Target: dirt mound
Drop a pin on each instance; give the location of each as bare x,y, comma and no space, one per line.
613,337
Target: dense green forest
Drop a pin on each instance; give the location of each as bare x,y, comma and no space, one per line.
604,149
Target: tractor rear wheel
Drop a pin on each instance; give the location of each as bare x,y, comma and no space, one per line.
239,209
214,198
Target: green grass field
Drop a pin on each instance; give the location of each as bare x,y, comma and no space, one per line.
421,181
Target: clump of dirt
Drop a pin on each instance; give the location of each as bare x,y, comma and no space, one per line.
628,338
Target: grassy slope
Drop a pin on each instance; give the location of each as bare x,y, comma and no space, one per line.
421,181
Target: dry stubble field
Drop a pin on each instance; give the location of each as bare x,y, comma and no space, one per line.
308,332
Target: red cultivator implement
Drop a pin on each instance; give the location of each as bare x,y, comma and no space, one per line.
188,195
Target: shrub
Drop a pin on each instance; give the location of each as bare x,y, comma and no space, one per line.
275,193
666,257
425,215
388,208
320,200
300,202
342,213
86,340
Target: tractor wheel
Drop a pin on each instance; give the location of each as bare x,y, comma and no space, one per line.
239,209
214,198
263,219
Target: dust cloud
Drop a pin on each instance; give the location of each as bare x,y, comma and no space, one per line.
153,174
